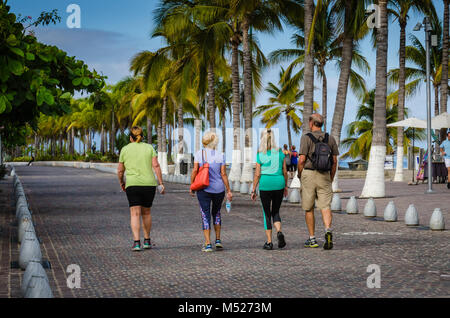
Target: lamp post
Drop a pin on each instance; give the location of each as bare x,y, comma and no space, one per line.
427,27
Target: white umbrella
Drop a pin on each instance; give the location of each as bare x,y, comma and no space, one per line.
441,121
410,122
413,123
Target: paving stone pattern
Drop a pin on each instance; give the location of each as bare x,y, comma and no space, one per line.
82,218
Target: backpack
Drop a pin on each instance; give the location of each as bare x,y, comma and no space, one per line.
322,157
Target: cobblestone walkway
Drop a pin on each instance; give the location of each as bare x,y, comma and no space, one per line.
82,218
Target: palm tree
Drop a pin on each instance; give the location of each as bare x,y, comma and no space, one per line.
360,131
284,100
309,62
374,185
355,29
400,9
327,47
416,55
444,79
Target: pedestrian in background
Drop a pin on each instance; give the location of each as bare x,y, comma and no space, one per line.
272,177
316,170
211,197
287,157
294,160
140,161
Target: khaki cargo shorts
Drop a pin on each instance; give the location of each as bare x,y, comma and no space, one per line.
316,187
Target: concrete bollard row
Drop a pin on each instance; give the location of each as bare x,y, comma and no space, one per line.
244,188
34,268
294,196
370,210
35,282
352,206
411,216
336,204
390,212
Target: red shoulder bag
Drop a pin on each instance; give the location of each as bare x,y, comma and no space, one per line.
202,178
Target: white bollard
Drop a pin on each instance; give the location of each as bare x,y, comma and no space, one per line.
370,209
336,205
411,216
34,268
294,196
390,212
437,220
25,224
29,249
244,188
38,287
352,206
236,186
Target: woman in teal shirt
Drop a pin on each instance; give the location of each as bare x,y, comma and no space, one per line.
271,175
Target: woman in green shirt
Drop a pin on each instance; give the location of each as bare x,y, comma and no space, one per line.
140,161
271,175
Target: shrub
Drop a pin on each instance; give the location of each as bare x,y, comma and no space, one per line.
22,159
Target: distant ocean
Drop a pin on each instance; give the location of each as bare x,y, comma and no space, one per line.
344,162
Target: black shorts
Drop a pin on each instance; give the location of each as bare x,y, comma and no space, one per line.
293,167
141,196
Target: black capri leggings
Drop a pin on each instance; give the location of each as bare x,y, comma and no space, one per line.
271,203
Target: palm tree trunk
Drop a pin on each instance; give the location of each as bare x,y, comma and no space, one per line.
211,97
61,145
324,98
309,66
344,76
112,136
288,124
224,133
401,102
198,129
374,186
164,164
247,171
149,130
102,139
436,99
180,144
444,78
235,172
436,105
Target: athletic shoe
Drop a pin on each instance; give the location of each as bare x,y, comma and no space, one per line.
311,242
268,246
328,241
207,248
147,244
281,241
137,246
219,245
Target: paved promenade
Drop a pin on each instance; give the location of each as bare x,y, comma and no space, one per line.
82,218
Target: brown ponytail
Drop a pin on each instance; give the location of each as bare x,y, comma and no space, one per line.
136,134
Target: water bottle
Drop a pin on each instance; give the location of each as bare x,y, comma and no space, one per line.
228,206
160,188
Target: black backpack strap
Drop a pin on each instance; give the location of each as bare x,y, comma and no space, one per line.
314,139
325,139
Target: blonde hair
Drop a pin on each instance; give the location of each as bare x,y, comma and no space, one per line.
267,141
136,134
210,140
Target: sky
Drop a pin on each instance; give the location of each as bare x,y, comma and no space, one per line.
113,31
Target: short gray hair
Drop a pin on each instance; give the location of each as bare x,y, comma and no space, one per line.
317,120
